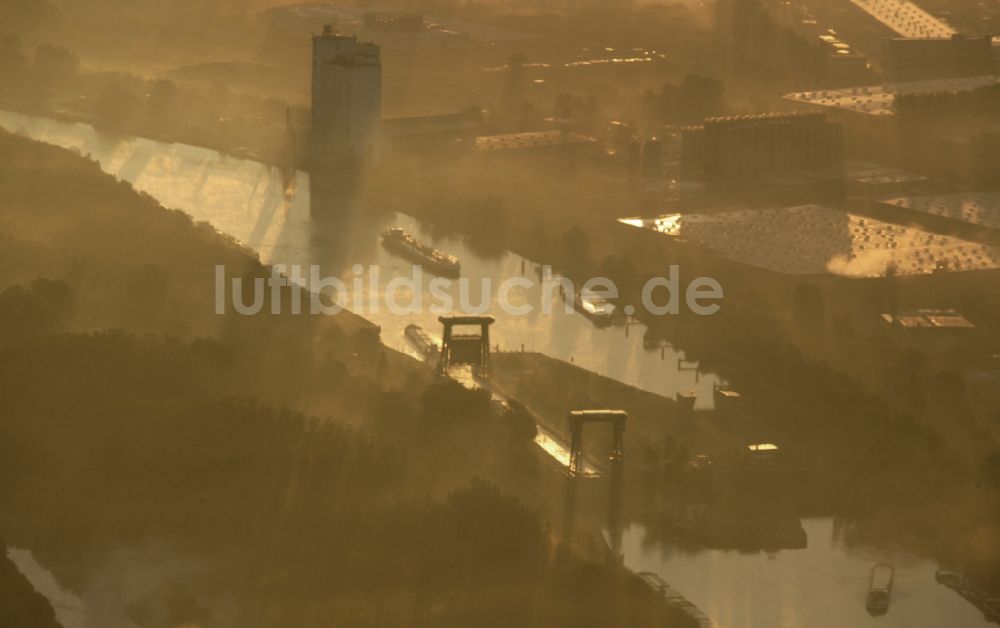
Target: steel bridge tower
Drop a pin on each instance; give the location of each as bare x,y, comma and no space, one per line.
468,348
578,419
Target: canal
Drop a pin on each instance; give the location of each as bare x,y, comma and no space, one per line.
822,585
250,202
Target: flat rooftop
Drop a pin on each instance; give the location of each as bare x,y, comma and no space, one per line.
875,174
531,139
877,100
816,240
905,18
981,209
928,319
305,16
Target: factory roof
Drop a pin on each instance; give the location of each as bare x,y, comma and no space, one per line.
878,100
975,208
875,174
774,116
928,319
813,240
905,18
532,139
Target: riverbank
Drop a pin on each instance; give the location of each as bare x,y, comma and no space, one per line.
677,461
272,156
731,332
210,473
687,564
20,603
803,390
553,387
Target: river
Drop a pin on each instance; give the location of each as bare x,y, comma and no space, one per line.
248,201
822,585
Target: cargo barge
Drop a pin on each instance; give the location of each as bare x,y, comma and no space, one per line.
428,257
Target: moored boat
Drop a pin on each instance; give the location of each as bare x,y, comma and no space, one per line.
596,308
880,588
421,340
434,260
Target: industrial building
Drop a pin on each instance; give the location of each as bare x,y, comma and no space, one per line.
928,319
844,64
552,141
443,132
938,329
864,179
748,148
346,97
905,18
908,59
878,100
817,240
978,212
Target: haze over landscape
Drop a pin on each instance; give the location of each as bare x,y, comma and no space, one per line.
443,313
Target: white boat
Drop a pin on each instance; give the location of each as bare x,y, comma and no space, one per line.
594,307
